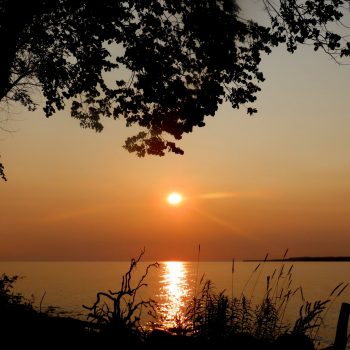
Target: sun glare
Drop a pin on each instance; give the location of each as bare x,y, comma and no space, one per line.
174,198
174,294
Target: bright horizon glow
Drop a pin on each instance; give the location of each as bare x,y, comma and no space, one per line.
174,198
248,187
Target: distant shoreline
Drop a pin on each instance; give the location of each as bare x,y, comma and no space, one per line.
307,259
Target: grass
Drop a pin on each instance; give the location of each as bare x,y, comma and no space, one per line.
212,317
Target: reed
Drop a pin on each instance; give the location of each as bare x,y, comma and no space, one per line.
211,316
232,275
333,296
258,275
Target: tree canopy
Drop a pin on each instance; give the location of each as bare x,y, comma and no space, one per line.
319,23
172,62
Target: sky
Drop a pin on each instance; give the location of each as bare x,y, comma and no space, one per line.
251,185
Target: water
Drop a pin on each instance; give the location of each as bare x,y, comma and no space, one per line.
69,285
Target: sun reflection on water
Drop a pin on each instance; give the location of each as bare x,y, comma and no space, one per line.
175,292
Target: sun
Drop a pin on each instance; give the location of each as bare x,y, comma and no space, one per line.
174,198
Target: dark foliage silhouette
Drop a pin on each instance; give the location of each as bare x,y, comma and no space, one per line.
160,65
321,23
178,68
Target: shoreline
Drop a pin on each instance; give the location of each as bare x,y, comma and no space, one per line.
306,259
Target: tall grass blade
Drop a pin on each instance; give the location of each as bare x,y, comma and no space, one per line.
232,274
336,288
258,276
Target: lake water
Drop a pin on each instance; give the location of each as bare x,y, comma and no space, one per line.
69,285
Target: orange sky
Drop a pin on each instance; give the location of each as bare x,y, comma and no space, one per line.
281,179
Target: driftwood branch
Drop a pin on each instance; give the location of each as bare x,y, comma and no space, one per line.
122,308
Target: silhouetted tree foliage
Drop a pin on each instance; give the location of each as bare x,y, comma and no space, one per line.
162,65
317,22
181,58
